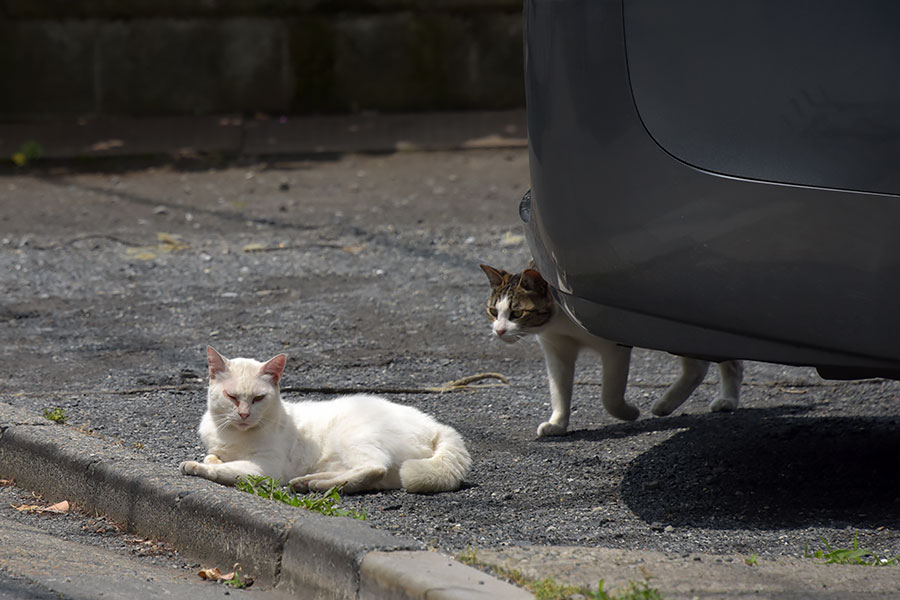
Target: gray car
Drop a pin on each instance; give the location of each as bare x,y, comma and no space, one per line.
721,179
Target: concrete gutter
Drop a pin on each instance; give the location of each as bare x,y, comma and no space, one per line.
234,135
288,548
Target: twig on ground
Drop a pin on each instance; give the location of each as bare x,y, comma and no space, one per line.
462,384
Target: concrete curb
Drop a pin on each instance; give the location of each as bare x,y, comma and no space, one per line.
233,135
288,548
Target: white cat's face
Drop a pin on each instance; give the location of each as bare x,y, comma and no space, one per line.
240,403
243,391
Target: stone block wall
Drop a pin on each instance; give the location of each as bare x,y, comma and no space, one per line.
201,57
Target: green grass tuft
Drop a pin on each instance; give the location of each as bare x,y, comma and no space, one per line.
57,415
850,556
28,152
327,504
236,582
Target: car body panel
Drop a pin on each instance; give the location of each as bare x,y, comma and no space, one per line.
773,90
707,259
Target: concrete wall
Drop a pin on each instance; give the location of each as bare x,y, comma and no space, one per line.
176,57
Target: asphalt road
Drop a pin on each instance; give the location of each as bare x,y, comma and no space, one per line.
75,554
364,270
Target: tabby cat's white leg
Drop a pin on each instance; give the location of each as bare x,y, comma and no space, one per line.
731,375
616,362
560,354
225,473
692,373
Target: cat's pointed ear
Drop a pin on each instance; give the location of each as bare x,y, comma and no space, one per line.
495,276
532,281
218,364
274,368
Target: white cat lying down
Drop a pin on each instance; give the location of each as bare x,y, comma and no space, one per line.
360,442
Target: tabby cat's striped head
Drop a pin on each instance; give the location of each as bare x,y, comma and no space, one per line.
520,303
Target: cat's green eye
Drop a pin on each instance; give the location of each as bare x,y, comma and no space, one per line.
492,311
230,397
516,314
258,398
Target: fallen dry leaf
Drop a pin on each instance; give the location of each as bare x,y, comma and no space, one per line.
137,540
233,578
169,242
106,145
210,574
511,239
140,253
59,507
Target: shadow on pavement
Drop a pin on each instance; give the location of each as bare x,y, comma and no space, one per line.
762,468
770,469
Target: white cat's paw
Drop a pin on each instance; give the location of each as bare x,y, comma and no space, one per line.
212,459
299,484
723,404
309,483
323,485
192,467
548,429
316,482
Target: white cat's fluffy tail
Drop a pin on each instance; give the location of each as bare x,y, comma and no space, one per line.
444,471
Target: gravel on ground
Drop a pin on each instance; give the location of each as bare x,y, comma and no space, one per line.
363,269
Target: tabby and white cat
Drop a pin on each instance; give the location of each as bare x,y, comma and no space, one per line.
521,304
360,442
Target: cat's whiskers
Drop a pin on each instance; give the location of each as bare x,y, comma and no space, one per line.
510,336
262,422
222,422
